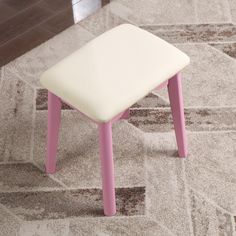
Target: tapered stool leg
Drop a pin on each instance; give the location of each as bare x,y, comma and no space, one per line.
177,108
107,166
54,117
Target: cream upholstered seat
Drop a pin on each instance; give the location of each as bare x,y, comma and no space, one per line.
112,72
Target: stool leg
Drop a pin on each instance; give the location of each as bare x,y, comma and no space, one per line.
54,117
126,115
107,166
177,108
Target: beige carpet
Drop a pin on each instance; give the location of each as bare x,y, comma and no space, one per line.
157,193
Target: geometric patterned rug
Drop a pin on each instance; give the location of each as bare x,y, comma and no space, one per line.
157,192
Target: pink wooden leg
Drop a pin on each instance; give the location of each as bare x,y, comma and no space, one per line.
106,156
125,115
54,117
177,108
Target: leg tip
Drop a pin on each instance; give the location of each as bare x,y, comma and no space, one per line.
110,213
51,170
183,154
110,210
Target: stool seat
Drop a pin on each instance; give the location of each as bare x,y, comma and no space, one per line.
112,72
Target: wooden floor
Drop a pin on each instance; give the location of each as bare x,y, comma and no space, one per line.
24,24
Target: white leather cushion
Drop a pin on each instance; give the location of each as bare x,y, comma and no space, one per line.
113,71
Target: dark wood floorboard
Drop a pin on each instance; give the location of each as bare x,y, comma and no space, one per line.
25,24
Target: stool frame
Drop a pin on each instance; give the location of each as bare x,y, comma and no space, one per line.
105,138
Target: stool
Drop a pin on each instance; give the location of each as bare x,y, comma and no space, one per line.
103,79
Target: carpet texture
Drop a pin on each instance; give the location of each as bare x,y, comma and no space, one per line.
158,193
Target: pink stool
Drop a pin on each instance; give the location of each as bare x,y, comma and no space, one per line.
103,79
